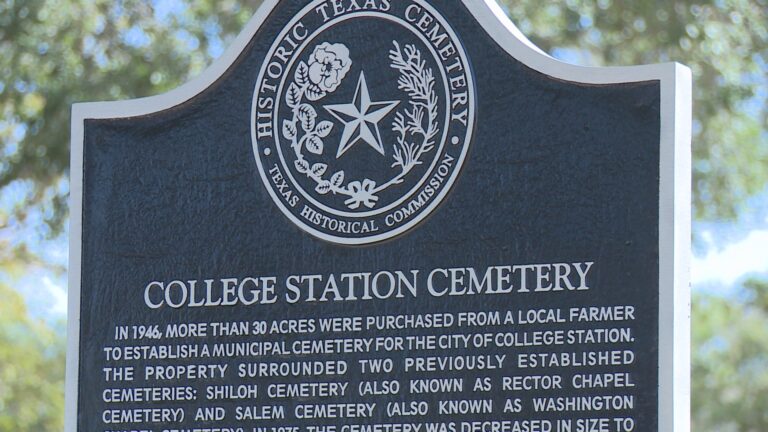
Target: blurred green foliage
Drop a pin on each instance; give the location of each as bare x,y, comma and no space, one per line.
730,362
57,52
32,358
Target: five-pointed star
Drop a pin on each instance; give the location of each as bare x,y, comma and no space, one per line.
360,118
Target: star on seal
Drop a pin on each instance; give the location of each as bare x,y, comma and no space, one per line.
360,118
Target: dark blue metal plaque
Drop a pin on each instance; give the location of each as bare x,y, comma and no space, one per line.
383,216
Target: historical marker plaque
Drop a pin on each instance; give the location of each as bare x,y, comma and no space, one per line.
383,216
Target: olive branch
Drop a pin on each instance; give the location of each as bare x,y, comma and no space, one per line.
418,82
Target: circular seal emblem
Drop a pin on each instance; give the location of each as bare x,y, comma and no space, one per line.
362,117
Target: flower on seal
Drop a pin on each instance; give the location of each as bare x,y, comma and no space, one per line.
362,193
328,65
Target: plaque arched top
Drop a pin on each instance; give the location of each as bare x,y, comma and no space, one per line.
487,12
